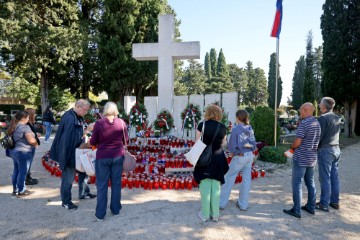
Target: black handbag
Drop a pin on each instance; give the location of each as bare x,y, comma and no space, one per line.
7,142
206,155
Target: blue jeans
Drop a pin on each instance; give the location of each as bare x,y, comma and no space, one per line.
237,164
108,168
48,127
328,159
29,162
308,174
20,160
67,179
83,185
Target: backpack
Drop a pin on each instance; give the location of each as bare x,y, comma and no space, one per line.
7,142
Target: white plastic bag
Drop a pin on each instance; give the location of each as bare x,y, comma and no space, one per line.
88,161
78,164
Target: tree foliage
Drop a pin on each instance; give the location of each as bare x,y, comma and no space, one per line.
318,57
222,70
309,81
239,80
194,78
38,39
256,94
207,65
213,62
262,121
272,83
298,83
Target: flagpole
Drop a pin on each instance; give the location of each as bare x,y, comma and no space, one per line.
276,88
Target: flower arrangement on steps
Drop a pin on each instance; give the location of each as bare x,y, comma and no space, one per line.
190,117
138,116
164,122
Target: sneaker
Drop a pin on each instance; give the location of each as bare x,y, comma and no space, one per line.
321,207
70,206
291,212
24,193
89,195
222,208
215,219
202,218
305,208
335,206
99,220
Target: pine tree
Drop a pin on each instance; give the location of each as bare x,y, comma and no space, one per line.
298,83
207,65
309,81
257,86
194,78
213,62
239,80
38,39
271,83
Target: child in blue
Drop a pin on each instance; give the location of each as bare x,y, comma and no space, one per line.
241,146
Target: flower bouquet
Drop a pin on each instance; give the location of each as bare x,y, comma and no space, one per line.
190,116
164,121
138,116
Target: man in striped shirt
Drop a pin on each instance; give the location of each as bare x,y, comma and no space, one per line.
304,160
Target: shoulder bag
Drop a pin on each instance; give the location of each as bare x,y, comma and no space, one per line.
129,163
206,155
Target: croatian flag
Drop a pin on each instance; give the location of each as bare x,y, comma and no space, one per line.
277,22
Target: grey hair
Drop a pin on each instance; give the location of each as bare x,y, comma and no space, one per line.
328,102
82,103
110,109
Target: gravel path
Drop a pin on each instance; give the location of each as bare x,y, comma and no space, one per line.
172,214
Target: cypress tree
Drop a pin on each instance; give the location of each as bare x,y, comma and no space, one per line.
222,70
298,83
318,56
213,62
309,81
207,65
271,83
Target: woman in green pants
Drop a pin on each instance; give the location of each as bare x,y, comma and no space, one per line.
211,177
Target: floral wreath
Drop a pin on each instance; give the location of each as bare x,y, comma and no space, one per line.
190,117
123,115
164,121
138,116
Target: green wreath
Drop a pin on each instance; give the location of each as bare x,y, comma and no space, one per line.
190,117
164,121
138,116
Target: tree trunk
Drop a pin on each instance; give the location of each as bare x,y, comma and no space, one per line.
44,89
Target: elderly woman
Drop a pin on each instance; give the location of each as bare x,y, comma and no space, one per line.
212,176
22,154
109,135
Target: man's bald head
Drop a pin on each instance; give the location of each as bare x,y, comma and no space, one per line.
307,110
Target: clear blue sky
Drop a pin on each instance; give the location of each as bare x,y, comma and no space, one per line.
242,29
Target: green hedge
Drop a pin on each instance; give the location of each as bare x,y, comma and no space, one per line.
6,108
273,154
262,121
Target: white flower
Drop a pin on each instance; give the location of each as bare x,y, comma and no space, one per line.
120,115
144,116
131,116
137,120
136,114
190,125
187,116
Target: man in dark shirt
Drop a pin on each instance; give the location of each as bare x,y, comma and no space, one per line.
329,156
69,137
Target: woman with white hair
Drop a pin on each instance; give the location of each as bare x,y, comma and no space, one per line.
109,135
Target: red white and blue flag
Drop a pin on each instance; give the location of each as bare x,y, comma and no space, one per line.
277,22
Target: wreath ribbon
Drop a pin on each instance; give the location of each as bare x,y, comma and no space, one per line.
167,126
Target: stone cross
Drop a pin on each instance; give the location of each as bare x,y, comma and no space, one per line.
166,51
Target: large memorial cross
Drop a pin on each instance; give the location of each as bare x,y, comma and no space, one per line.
166,51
